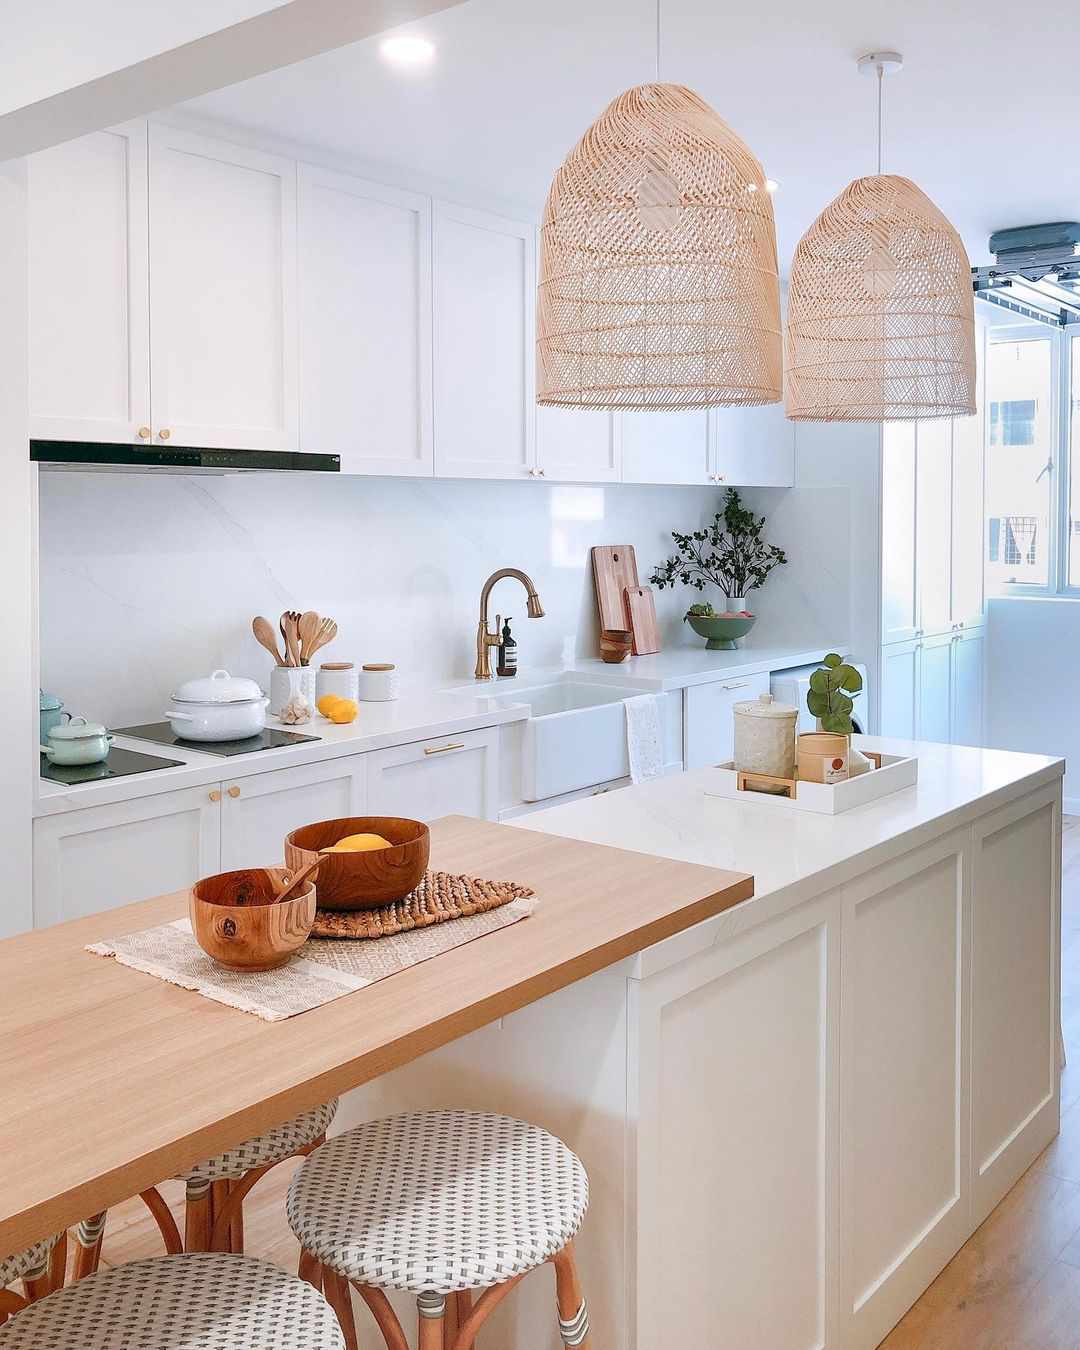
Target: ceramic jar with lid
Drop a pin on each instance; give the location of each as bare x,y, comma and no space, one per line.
336,677
824,757
765,737
77,742
378,682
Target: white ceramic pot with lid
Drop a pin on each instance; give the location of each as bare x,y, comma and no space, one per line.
765,737
218,707
77,742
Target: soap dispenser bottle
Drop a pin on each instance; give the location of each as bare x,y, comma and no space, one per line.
507,663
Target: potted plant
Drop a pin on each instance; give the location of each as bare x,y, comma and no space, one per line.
731,555
829,700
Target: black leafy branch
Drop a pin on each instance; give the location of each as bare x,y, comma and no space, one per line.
730,553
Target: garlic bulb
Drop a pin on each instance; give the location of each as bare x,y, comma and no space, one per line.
298,709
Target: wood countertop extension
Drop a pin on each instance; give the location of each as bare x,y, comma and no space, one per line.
114,1080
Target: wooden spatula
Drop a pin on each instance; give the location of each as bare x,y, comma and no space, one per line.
291,887
265,636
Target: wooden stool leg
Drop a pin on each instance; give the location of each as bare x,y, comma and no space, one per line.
58,1263
431,1321
236,1226
336,1289
88,1239
384,1316
309,1269
219,1197
36,1283
197,1217
482,1309
573,1313
162,1216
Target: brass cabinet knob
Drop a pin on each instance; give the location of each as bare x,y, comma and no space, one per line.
144,432
164,433
215,795
234,791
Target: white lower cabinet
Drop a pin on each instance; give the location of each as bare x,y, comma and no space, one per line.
932,689
104,856
708,722
453,775
259,811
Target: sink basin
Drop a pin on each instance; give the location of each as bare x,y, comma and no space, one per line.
575,736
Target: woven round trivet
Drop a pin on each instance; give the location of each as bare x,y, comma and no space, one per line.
441,896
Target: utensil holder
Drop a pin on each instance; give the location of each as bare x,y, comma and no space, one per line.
288,681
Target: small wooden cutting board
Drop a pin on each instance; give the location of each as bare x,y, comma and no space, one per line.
641,615
614,571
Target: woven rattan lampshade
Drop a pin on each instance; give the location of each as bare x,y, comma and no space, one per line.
658,278
881,314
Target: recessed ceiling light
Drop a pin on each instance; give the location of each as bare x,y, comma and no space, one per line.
407,51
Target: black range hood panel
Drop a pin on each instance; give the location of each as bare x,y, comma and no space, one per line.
123,458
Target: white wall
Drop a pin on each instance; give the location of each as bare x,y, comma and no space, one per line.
145,581
1033,681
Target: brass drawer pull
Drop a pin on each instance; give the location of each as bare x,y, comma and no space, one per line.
234,791
442,749
215,795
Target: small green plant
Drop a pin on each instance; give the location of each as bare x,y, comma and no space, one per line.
729,554
702,610
828,698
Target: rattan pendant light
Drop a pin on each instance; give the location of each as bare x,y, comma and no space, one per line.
881,314
658,276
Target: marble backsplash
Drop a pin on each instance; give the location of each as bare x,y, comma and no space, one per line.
146,581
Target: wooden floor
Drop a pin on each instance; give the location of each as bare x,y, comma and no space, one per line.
1014,1286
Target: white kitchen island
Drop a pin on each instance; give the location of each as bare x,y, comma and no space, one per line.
794,1113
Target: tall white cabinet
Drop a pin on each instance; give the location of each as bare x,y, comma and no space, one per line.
932,581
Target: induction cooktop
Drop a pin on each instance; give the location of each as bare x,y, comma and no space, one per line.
267,739
118,764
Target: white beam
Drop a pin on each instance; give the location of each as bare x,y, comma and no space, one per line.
280,37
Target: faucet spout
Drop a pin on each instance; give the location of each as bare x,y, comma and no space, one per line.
485,639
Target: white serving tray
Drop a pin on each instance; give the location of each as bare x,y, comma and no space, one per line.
896,772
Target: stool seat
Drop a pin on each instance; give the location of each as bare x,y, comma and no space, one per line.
275,1145
28,1263
201,1301
438,1201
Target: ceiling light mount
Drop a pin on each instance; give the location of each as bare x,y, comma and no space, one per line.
880,63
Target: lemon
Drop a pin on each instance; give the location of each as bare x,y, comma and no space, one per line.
359,843
342,710
327,702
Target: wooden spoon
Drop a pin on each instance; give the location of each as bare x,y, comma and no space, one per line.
291,887
307,628
327,633
265,636
288,632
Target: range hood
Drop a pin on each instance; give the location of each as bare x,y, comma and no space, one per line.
1035,273
120,457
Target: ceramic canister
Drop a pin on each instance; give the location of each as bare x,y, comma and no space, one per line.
378,682
336,677
765,737
288,681
823,757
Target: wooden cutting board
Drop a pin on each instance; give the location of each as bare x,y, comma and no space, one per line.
614,572
641,612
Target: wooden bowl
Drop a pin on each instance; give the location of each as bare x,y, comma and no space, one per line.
237,921
363,880
615,645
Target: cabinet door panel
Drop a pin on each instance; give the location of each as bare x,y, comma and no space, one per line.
933,441
968,652
709,730
88,274
365,323
577,445
257,812
665,447
222,294
967,516
900,689
900,606
485,388
456,775
104,856
935,690
752,447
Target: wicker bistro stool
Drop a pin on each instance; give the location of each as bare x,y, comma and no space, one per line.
202,1301
440,1203
216,1188
41,1270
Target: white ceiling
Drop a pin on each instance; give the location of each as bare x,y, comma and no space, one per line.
980,117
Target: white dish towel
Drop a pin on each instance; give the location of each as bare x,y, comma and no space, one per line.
644,737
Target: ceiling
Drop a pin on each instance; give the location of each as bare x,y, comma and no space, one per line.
980,117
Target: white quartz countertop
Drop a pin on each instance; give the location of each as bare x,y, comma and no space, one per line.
793,854
417,717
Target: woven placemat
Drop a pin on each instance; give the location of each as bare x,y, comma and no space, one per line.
440,897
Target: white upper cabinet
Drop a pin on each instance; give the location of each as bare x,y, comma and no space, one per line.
752,447
485,385
666,447
577,445
222,294
900,600
933,533
89,316
365,324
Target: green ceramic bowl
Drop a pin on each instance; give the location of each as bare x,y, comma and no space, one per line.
721,633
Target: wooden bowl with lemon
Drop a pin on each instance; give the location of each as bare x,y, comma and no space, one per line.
368,861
